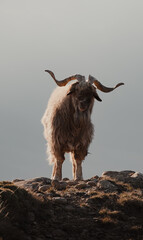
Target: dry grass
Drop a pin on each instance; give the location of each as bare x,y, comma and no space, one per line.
108,220
128,197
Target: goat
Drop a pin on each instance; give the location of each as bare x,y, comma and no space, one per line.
67,121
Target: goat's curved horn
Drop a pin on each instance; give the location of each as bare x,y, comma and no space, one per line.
102,87
66,80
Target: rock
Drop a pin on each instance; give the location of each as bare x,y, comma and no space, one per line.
42,180
82,186
63,185
106,186
17,180
32,186
114,174
59,185
43,188
60,200
137,175
55,184
41,195
111,174
129,177
92,191
120,176
92,183
71,183
65,179
80,194
95,177
69,208
49,194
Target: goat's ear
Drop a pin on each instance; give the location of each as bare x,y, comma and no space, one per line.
73,88
70,92
96,96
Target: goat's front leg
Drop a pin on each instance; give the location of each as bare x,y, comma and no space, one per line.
57,170
78,170
73,165
77,159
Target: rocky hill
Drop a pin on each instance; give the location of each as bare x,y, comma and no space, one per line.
107,207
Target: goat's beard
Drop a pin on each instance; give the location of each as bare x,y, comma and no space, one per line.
81,118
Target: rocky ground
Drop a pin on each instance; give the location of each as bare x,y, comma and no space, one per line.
106,207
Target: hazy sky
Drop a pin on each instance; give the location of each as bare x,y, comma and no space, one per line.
103,38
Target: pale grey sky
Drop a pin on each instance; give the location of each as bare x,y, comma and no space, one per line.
103,38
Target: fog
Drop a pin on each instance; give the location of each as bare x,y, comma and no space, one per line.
101,38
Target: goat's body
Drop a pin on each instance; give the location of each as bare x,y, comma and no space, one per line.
67,121
66,129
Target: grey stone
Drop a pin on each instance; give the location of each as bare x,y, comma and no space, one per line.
44,180
106,185
120,176
32,184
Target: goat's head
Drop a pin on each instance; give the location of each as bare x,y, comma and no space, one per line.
83,95
84,91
